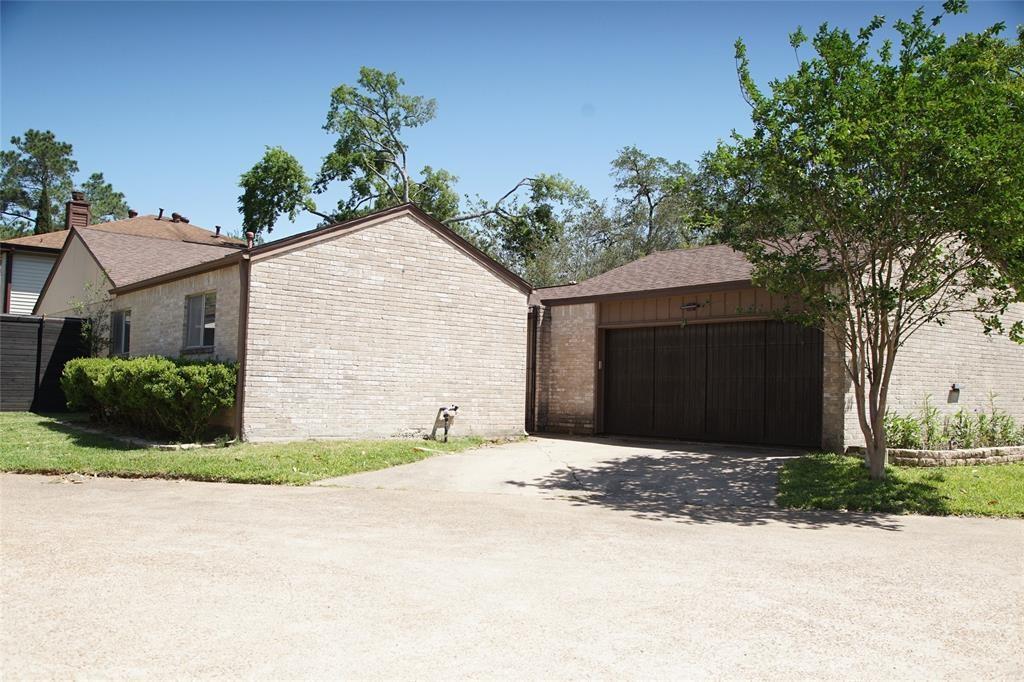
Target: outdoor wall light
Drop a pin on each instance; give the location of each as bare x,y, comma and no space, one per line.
954,393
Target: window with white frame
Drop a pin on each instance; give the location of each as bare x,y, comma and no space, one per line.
200,320
120,332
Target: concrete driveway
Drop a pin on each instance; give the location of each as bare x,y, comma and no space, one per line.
162,579
645,476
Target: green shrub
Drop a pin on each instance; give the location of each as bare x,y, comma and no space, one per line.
151,394
902,432
994,428
931,426
961,430
81,383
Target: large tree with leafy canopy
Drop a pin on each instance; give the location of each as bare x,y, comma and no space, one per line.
105,202
36,176
884,188
372,157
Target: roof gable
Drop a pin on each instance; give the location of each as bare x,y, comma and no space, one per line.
287,244
422,217
56,272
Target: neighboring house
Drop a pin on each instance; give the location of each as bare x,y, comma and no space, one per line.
680,344
362,329
27,261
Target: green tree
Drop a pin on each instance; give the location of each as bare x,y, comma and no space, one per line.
580,249
652,202
884,189
105,203
277,185
37,174
371,156
36,177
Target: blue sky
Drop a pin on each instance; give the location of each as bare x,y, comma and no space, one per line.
173,101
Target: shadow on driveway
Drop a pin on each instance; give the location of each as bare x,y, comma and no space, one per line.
691,483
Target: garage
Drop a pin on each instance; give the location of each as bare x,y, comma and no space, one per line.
749,382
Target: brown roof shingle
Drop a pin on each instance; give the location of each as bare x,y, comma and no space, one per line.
701,266
139,226
129,258
47,240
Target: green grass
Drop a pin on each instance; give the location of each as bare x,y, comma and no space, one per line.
30,443
822,481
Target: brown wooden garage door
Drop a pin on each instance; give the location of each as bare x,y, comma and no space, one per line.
746,382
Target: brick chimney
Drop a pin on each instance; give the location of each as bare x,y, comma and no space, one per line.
76,211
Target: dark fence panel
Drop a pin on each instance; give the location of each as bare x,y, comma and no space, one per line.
33,351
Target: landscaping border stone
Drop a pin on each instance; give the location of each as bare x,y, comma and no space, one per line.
951,458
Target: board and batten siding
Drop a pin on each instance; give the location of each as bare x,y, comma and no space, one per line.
712,305
368,334
28,275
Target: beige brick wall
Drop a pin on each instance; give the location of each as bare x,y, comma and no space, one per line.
934,358
158,314
567,358
835,399
366,335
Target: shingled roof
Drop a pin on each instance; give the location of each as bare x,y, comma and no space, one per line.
662,271
129,258
140,226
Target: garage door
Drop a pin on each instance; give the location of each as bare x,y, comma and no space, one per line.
746,382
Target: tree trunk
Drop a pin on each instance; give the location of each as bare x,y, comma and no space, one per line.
877,458
870,413
44,220
876,449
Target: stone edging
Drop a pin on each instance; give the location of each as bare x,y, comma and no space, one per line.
948,458
137,442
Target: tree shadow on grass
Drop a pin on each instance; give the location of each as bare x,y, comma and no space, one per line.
700,485
85,434
827,481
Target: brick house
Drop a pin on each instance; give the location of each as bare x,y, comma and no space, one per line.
26,262
680,344
365,328
361,329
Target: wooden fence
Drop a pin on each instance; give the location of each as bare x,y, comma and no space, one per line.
33,351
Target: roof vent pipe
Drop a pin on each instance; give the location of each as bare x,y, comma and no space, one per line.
161,216
216,229
250,239
132,214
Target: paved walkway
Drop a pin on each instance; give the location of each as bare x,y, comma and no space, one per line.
161,579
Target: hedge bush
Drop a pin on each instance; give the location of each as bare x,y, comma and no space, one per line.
151,394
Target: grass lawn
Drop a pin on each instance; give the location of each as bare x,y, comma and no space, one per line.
822,481
30,443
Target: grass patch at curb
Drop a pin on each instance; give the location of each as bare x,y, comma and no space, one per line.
836,482
30,443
